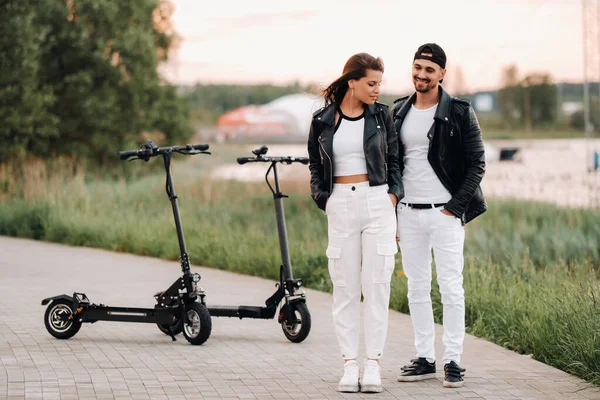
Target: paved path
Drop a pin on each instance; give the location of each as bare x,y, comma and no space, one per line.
245,359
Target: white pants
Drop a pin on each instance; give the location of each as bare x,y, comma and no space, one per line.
420,231
361,229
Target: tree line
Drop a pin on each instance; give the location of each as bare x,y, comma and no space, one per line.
529,102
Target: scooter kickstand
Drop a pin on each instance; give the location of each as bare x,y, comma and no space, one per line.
171,334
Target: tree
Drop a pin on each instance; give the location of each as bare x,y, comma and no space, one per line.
25,119
539,100
510,76
508,97
530,102
98,61
576,120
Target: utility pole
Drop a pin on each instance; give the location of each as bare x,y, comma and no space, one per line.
591,56
590,12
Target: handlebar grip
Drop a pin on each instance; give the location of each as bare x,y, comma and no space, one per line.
201,147
243,160
124,155
303,160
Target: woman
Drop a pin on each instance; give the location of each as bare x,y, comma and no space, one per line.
355,179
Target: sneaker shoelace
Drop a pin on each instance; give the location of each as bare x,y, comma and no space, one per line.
350,367
371,369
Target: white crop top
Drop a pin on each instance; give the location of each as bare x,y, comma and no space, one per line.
348,152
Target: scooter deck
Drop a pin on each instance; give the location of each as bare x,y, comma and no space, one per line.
242,312
95,312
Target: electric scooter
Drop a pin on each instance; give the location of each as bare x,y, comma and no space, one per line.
293,315
182,301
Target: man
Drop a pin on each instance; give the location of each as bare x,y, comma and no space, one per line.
442,162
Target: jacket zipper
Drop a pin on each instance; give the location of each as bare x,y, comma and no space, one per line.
385,152
320,152
331,172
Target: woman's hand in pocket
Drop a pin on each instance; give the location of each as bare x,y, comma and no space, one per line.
394,199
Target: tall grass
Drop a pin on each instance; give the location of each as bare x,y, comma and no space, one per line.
531,271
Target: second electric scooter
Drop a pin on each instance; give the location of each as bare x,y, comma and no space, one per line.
293,315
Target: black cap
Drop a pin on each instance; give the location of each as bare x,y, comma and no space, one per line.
432,52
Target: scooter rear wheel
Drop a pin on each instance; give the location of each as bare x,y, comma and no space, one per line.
60,321
298,330
198,326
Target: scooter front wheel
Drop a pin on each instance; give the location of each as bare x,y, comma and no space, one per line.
298,330
60,320
198,325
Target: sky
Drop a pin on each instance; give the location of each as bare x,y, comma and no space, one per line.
282,41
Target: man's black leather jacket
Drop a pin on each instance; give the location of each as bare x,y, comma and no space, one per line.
380,145
456,152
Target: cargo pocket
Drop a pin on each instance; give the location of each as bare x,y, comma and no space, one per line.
334,255
384,267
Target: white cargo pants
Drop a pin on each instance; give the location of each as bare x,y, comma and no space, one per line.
361,229
420,231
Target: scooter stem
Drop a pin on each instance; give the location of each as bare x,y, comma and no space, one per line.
185,261
282,231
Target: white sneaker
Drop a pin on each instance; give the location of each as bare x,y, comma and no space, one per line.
349,382
371,381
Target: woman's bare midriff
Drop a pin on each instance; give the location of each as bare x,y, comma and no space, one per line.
351,178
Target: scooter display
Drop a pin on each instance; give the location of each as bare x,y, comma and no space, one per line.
293,315
182,303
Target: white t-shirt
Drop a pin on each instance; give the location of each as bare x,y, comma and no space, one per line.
421,184
348,152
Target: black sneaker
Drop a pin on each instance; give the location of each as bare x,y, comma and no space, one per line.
453,375
419,370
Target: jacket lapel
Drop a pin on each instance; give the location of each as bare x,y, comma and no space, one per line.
372,121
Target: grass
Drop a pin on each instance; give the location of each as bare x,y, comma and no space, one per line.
531,270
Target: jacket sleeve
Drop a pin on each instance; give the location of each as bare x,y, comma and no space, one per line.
393,164
473,161
318,187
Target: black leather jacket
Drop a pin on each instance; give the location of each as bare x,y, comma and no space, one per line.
456,152
380,145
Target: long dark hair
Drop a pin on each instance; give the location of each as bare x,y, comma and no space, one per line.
355,68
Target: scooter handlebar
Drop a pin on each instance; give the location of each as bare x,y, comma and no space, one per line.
149,149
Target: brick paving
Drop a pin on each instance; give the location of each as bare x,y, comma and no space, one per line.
248,359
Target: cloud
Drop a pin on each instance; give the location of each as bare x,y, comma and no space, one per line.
230,26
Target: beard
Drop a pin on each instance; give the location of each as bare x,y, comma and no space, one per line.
423,86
